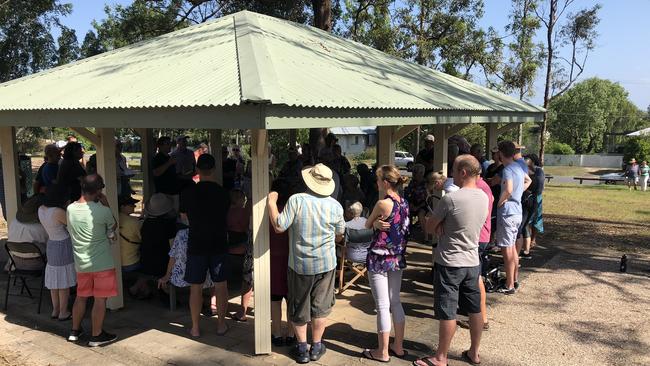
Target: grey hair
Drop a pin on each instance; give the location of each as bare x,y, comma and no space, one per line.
355,208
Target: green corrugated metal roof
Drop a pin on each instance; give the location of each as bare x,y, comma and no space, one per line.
248,57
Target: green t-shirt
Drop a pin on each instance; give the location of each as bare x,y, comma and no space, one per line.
645,171
88,225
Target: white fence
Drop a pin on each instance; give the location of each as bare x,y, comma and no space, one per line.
598,161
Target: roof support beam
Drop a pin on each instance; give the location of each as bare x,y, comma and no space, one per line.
491,138
440,148
401,132
261,250
148,144
454,129
385,145
508,127
87,134
10,172
106,164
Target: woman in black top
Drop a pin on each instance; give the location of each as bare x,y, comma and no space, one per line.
70,171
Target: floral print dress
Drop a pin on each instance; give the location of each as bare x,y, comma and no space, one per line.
388,248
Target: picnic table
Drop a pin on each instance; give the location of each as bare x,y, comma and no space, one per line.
608,180
548,178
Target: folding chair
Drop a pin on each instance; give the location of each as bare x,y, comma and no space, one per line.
353,253
22,274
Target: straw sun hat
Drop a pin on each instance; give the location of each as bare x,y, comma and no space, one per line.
159,205
319,179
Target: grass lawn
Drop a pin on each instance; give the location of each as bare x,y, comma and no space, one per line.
577,171
600,215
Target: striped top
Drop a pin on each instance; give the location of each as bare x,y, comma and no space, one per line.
313,223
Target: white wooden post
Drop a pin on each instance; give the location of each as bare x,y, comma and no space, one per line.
148,145
491,138
261,254
10,171
107,168
385,146
440,148
215,150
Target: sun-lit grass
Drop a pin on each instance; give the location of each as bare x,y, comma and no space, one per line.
577,171
599,202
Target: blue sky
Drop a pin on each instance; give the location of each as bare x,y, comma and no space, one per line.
622,53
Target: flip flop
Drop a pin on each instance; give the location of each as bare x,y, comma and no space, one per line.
426,362
220,334
466,358
367,354
401,357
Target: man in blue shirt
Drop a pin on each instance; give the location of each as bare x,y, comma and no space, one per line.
509,212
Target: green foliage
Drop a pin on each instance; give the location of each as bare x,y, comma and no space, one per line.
593,107
91,45
638,148
26,44
559,148
68,50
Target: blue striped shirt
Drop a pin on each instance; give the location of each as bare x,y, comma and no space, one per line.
313,223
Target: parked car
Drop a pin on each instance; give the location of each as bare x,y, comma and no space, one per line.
404,159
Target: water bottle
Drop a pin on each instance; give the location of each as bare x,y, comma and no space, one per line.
624,263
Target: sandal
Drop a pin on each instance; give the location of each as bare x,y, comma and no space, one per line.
220,334
426,362
401,357
239,318
466,358
368,354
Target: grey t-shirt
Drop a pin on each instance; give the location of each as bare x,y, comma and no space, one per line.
464,212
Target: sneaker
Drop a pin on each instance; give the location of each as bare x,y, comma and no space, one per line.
506,291
277,341
75,335
317,352
300,356
524,255
101,339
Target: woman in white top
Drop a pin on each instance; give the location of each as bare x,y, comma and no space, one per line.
60,274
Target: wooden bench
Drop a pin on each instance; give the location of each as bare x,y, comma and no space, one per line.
599,179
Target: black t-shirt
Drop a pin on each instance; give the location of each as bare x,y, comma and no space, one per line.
492,171
156,233
206,206
166,182
425,157
69,175
229,170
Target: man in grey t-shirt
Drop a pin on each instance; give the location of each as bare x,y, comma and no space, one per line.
458,219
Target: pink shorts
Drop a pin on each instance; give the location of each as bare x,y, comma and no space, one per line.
97,284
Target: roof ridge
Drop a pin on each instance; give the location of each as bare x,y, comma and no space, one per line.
257,77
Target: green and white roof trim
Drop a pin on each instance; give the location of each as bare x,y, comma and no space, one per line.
248,70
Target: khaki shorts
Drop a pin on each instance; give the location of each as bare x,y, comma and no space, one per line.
310,296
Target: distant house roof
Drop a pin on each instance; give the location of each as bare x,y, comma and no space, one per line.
366,130
643,132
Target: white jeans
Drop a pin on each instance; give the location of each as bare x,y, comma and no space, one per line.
386,287
644,183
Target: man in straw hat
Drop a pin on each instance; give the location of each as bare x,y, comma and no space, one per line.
315,222
90,224
205,206
632,174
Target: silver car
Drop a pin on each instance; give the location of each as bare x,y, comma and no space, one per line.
404,159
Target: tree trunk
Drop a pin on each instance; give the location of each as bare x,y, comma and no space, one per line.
323,20
549,66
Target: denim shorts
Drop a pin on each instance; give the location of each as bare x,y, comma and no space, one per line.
197,267
455,287
507,229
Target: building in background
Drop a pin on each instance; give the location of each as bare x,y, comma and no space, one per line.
354,140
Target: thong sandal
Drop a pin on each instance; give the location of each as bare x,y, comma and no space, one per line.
466,358
401,357
426,362
368,354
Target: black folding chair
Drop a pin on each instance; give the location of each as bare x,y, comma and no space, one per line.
23,274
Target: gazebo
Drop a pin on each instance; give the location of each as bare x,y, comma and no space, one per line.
245,71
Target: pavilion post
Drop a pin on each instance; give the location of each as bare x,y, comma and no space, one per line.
148,144
261,253
10,171
440,148
491,138
385,146
215,149
107,168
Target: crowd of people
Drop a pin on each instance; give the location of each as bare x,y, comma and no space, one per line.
196,232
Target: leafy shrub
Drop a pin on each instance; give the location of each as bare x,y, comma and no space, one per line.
638,148
559,148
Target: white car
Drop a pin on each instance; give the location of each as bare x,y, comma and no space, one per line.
404,159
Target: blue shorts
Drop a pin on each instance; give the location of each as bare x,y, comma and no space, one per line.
197,266
507,229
